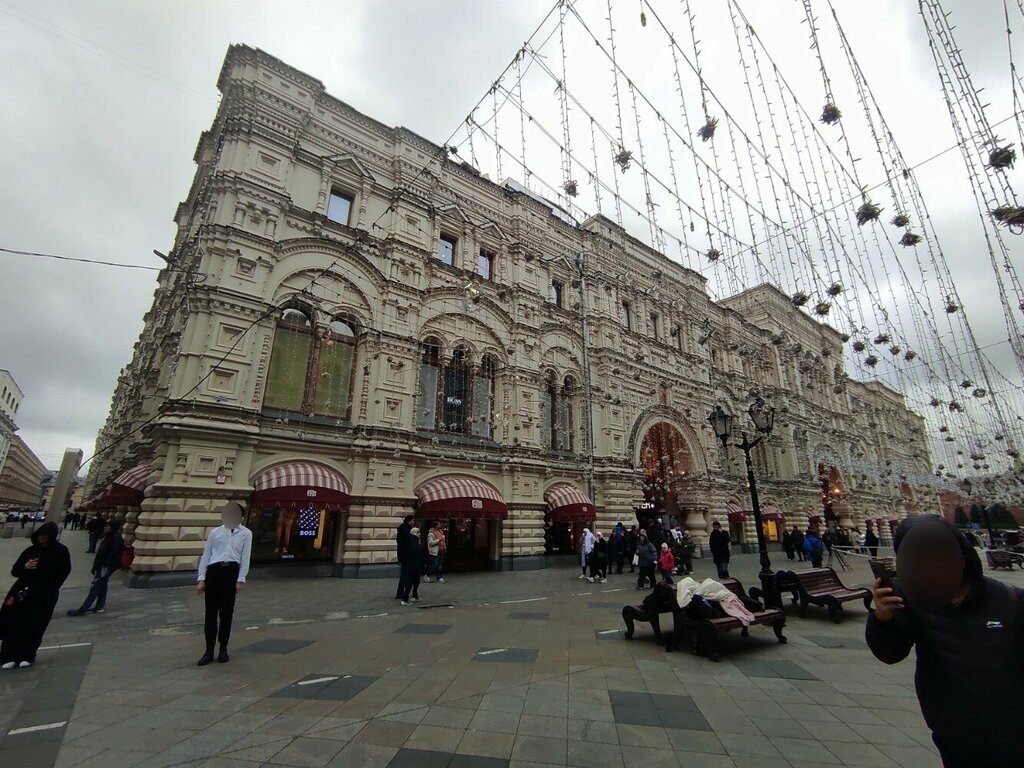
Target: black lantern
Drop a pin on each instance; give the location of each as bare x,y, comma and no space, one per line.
721,423
763,416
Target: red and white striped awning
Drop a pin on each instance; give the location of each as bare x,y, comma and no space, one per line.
127,490
460,496
734,513
301,483
772,512
568,503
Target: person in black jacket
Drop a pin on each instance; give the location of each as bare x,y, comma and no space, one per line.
616,550
104,565
871,542
599,559
657,602
40,571
95,530
798,543
968,631
401,545
718,543
631,541
412,567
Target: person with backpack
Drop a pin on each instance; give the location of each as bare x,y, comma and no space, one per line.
814,548
104,565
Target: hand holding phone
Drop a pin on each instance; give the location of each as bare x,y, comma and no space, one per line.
885,572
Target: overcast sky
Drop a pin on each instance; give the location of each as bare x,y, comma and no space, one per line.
103,104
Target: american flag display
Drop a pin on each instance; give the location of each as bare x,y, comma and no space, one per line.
309,522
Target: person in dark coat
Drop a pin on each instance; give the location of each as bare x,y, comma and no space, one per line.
798,543
787,545
718,543
95,530
647,557
106,563
39,572
653,605
599,559
871,542
631,541
616,550
814,549
401,546
967,630
412,567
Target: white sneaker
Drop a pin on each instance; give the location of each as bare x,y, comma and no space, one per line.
604,580
406,602
9,665
414,599
440,581
590,579
24,664
583,575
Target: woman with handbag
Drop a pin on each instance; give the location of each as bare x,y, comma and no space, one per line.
40,571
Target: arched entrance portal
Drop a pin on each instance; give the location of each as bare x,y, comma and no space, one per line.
667,462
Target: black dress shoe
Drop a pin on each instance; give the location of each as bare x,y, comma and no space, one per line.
222,657
206,659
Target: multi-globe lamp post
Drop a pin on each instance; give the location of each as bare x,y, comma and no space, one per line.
762,416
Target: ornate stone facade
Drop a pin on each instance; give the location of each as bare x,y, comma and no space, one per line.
256,238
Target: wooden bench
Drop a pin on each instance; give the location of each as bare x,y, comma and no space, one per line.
705,632
820,586
1000,558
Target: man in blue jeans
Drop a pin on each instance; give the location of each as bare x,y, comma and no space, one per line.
104,565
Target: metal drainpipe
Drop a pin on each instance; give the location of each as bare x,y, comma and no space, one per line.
587,390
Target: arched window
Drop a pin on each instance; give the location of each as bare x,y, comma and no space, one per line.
289,361
483,397
311,370
455,404
430,362
564,441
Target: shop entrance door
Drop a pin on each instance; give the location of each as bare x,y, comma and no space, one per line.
467,543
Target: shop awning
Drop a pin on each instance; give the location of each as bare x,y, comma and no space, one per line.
127,490
772,512
301,483
460,496
734,513
568,503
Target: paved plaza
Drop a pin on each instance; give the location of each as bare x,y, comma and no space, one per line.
507,669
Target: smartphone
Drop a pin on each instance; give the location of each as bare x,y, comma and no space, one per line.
884,570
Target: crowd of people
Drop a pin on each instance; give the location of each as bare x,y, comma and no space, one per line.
652,548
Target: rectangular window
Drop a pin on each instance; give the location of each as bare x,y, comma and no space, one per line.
446,249
624,315
481,406
557,290
654,326
339,207
485,265
334,380
454,407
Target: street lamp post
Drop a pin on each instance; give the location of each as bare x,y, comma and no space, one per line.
763,417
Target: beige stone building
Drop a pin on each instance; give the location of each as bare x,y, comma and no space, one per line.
21,478
355,325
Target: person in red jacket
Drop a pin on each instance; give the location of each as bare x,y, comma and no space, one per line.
667,563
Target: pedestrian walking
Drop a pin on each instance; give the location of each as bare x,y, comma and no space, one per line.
599,559
617,550
586,548
222,571
413,566
402,543
647,559
826,538
106,563
631,541
718,543
39,573
687,546
666,563
435,553
798,543
95,530
968,631
814,548
871,542
787,545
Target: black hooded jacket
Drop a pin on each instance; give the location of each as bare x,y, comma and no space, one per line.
45,580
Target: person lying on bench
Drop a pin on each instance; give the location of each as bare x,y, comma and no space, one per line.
659,601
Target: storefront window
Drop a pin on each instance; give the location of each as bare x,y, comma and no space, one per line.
293,532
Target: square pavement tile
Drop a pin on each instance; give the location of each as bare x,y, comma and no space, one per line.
506,655
786,670
657,709
276,645
424,629
420,758
529,615
325,687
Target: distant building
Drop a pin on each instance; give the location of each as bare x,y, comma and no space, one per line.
74,495
21,478
10,401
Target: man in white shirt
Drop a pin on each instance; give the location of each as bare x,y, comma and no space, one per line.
222,572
